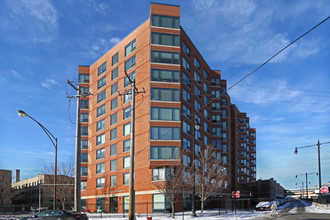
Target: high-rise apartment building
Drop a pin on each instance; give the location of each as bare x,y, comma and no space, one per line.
181,90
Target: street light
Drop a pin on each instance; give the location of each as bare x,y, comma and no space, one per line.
53,139
306,180
193,212
319,159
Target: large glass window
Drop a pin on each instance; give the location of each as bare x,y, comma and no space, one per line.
127,113
216,106
100,182
126,80
83,117
206,75
101,96
197,77
125,178
127,145
165,57
206,100
127,129
216,94
165,133
101,110
113,149
186,144
216,118
128,96
113,165
102,68
186,160
165,21
114,88
130,48
185,48
115,58
84,171
216,131
185,64
165,75
126,162
164,152
113,134
113,119
166,114
162,94
215,81
186,128
100,154
101,82
197,105
197,64
206,114
206,88
84,104
100,168
114,74
83,78
84,90
100,125
83,185
114,103
186,111
100,139
165,39
84,144
161,173
186,79
113,181
197,91
84,157
84,131
186,95
130,63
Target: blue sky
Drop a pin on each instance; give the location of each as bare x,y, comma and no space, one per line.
42,42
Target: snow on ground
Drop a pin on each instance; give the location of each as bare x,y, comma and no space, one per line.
313,209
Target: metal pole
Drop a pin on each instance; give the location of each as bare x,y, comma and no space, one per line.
319,160
77,192
306,185
193,212
131,212
55,175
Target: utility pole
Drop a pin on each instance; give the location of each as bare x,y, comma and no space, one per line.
77,190
306,174
134,91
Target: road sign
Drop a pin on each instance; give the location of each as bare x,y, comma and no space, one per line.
235,194
324,190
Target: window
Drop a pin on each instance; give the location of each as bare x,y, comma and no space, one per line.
224,102
113,134
216,94
113,180
165,39
161,173
84,131
83,78
128,96
126,80
100,125
206,114
101,110
197,149
126,162
113,119
165,21
165,133
206,127
100,154
114,74
224,125
206,140
206,100
164,152
197,64
185,64
125,178
84,90
102,68
162,94
84,144
101,96
83,185
84,171
224,113
84,157
100,182
186,95
100,168
166,114
84,104
216,131
127,145
127,129
127,113
186,144
216,119
83,117
101,82
197,91
113,165
215,81
206,75
217,143
216,106
186,160
113,149
114,103
224,159
165,57
114,88
130,63
186,111
197,105
186,79
100,139
185,48
224,136
165,75
206,88
115,59
130,48
186,128
198,135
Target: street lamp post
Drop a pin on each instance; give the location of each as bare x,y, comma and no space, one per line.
193,212
306,174
319,159
53,139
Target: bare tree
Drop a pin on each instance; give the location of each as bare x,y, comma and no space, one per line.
209,176
65,174
172,184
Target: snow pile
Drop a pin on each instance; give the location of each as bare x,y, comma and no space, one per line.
312,208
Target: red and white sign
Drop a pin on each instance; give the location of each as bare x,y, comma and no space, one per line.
235,194
324,190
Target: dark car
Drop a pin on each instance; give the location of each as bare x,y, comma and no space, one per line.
57,215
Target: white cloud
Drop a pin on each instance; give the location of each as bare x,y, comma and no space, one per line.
16,74
29,21
49,83
102,46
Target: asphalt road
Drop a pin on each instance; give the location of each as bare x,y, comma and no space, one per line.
297,211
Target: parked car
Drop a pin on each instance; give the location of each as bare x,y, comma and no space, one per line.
56,215
264,206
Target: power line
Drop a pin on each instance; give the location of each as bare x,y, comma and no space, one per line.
279,88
